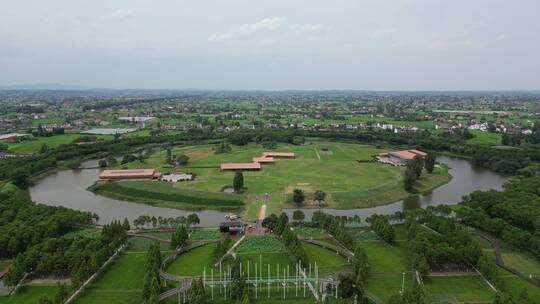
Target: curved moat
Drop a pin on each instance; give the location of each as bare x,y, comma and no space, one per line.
68,188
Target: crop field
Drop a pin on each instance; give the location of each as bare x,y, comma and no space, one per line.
260,244
328,166
34,145
121,283
30,294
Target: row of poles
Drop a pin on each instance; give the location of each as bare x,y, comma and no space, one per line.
302,278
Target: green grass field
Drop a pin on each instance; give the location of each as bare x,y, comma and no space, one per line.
457,289
121,283
523,262
485,138
30,294
33,145
327,166
260,244
327,261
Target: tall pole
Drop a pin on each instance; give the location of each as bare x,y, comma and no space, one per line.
268,282
212,286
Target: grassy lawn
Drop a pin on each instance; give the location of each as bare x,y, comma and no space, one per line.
327,166
515,285
485,138
34,144
385,259
386,285
387,263
30,294
260,244
327,261
121,283
308,232
457,289
140,244
205,234
523,262
193,263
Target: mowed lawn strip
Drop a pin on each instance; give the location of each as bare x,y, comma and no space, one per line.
121,283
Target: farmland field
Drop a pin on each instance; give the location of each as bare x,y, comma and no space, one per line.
328,166
34,144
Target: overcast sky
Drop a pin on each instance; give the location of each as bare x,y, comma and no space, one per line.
274,44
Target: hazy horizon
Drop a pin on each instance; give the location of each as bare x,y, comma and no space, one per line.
365,45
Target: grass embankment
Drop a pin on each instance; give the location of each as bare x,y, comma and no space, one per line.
344,171
121,283
163,194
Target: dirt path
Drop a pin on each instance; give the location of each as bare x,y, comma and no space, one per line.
262,212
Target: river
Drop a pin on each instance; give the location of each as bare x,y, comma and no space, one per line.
68,188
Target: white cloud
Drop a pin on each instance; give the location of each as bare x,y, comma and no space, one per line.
278,26
267,24
121,13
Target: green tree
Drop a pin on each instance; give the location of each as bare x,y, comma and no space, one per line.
182,160
45,300
409,178
298,196
20,178
62,294
168,158
298,216
192,219
238,182
44,148
430,162
102,163
320,195
126,225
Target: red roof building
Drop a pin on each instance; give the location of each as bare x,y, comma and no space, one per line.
263,160
129,174
240,166
279,154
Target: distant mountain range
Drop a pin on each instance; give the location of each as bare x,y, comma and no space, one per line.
64,87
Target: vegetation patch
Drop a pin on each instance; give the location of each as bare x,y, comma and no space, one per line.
163,194
312,233
205,234
262,244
